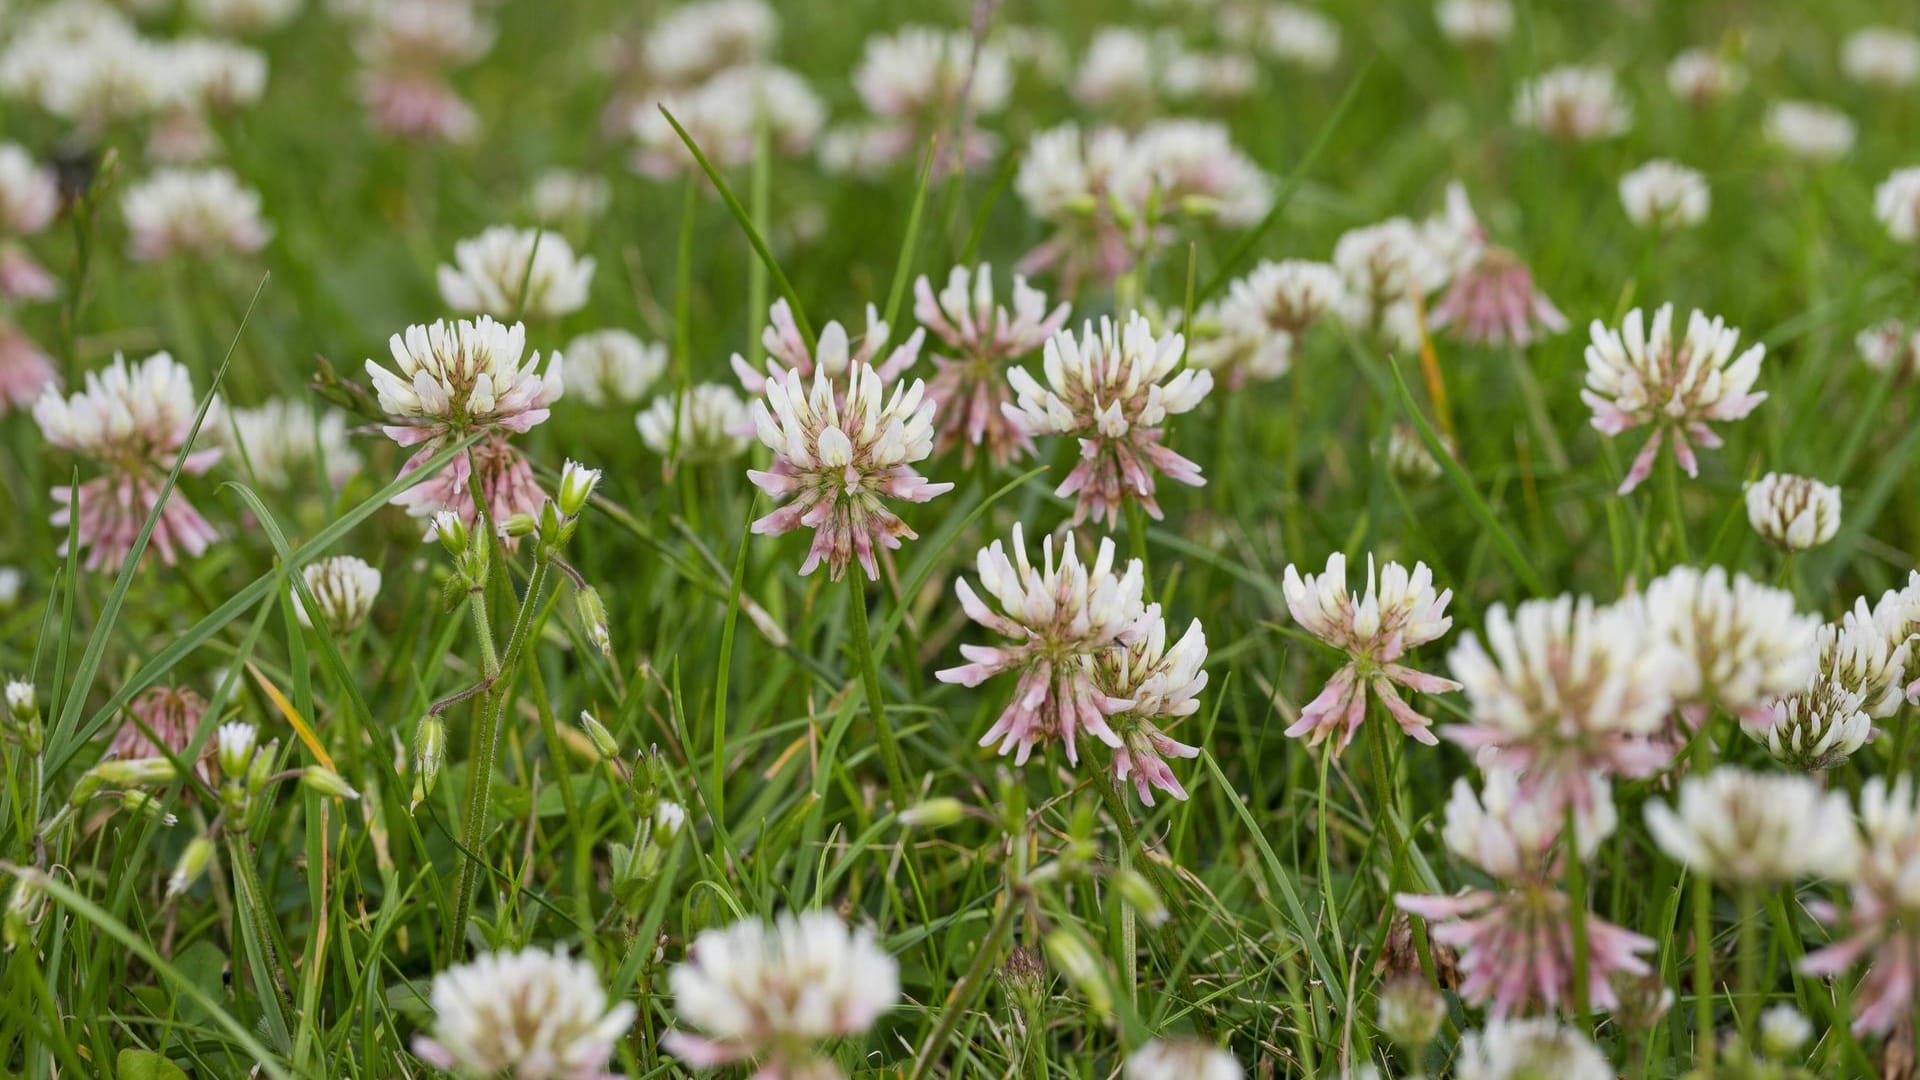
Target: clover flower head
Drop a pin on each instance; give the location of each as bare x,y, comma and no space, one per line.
452,378
193,212
1890,344
536,1014
1793,512
1113,389
1474,22
1058,620
283,436
1398,612
1181,1059
1867,651
725,116
344,587
28,195
164,718
1159,683
1877,925
1525,1049
920,72
695,41
1896,202
1699,77
132,419
505,271
613,367
1492,299
837,461
1267,314
1640,376
1742,828
1385,264
1816,728
833,354
1665,194
563,195
1578,102
714,424
1744,642
970,386
1194,164
1298,35
26,371
772,993
1881,56
1811,131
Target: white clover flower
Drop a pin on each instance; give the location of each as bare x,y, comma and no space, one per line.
534,1015
1577,102
1399,611
613,367
1896,202
1516,838
1744,642
1793,512
1741,828
772,993
454,377
1181,1059
1810,130
836,463
344,587
1492,298
223,75
1194,164
244,16
1208,76
714,424
490,275
918,72
1408,458
1298,35
1867,651
11,582
193,212
1881,56
1386,264
1699,77
725,116
1086,187
1113,389
423,36
980,338
695,41
1474,22
281,437
1890,345
133,420
99,79
28,195
1058,620
1815,729
1265,318
1640,377
1562,689
1783,1031
562,195
1530,1050
1121,68
1158,683
1665,195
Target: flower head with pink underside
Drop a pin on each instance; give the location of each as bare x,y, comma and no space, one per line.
29,198
1160,683
1059,619
1516,941
1563,689
26,371
1399,612
1111,389
450,380
772,993
1492,300
971,387
133,419
1641,377
164,718
1881,924
837,460
833,354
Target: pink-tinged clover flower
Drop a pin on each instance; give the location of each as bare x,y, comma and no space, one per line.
1159,684
837,459
971,386
1561,690
1399,612
450,380
1076,183
833,354
1641,377
196,212
1516,941
1059,620
1264,320
165,717
1492,300
1111,389
772,993
132,420
1881,924
28,200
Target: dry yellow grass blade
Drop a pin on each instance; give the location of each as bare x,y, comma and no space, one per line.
300,726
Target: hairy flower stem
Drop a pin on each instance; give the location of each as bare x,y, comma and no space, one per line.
870,679
486,747
247,880
1703,1038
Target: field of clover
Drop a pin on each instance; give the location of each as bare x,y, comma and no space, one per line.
1026,539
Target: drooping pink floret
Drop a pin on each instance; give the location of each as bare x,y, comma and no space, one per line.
132,420
1398,612
1160,684
1492,300
1516,940
971,386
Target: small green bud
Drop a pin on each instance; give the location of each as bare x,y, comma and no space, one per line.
597,733
451,531
1071,955
429,750
576,487
592,612
139,802
933,813
327,782
262,768
127,773
1411,1012
193,863
23,910
517,525
233,748
1141,896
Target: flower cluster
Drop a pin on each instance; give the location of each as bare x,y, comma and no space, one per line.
1110,389
409,49
970,387
507,273
1492,300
